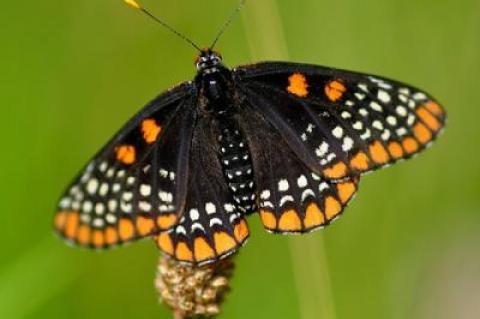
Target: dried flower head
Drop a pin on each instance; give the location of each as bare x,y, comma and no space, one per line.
193,291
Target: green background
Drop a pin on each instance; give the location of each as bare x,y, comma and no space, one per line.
73,71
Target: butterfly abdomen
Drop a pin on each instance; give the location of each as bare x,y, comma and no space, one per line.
237,166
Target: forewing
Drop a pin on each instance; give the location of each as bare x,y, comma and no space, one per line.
212,226
341,123
136,185
291,198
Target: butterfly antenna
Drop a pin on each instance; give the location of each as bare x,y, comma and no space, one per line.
134,4
228,22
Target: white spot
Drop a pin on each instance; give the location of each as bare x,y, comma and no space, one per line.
375,106
337,132
419,96
366,135
76,205
322,149
85,218
92,186
131,180
323,186
363,112
194,215
229,208
163,173
385,135
265,194
210,208
411,119
145,206
110,173
145,190
304,137
360,96
411,104
87,206
121,174
331,156
401,110
401,131
378,125
103,189
103,167
99,208
315,177
347,144
171,175
127,196
112,205
302,181
283,185
111,219
146,169
287,198
98,222
349,103
306,193
363,87
181,230
116,187
126,207
165,196
391,120
346,115
404,91
65,202
215,221
384,96
310,128
358,125
198,226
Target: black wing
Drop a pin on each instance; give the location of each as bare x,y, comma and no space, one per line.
212,226
291,198
136,185
341,123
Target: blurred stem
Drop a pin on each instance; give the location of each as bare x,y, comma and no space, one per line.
263,25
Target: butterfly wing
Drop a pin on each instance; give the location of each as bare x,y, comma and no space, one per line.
136,185
291,198
212,226
341,123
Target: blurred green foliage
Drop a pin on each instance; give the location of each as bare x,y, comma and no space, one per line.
73,71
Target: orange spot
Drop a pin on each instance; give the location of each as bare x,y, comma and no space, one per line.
150,130
166,221
60,220
98,240
241,231
313,216
71,224
223,242
126,154
422,133
145,225
332,207
336,171
395,150
360,161
125,229
202,250
268,219
428,118
298,85
334,90
164,242
182,252
410,145
434,108
111,236
289,221
83,236
378,152
345,191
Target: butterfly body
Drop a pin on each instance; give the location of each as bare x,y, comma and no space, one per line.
289,141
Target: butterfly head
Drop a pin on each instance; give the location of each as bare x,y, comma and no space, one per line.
209,61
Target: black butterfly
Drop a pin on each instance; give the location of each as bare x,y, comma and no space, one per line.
287,140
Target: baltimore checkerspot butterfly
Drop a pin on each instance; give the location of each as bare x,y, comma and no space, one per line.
287,141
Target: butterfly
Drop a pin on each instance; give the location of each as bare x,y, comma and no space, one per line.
286,141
